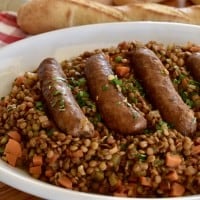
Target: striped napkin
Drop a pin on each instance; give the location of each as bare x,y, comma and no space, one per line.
9,30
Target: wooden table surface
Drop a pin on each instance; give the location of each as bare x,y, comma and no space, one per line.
9,193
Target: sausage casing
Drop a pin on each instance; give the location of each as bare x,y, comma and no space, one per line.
193,64
115,111
157,83
60,102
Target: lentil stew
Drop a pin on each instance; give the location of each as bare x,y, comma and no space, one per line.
160,162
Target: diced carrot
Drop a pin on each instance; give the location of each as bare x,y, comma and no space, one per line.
122,71
49,173
19,80
145,181
13,147
65,182
14,135
173,160
35,170
177,189
172,176
37,160
11,159
77,154
120,194
195,149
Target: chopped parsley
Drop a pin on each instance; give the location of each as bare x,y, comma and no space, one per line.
179,79
193,82
50,132
80,82
39,105
161,124
115,81
141,157
1,150
105,87
57,92
118,59
61,105
147,131
185,96
82,97
139,87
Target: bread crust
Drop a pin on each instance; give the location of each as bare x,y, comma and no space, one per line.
196,1
123,2
38,16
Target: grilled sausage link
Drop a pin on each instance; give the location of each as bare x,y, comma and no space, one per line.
193,64
60,102
156,81
113,107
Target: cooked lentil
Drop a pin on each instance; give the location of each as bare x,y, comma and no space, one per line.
109,163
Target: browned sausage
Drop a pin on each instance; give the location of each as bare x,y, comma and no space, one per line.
60,102
193,64
115,111
155,79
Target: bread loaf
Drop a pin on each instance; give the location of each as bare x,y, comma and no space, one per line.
123,2
37,16
196,1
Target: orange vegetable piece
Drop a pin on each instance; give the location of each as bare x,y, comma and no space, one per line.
122,71
14,135
173,160
195,149
65,182
146,181
20,80
11,159
13,147
120,194
49,173
172,176
37,160
177,190
35,170
78,154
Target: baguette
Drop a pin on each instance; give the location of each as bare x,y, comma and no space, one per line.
156,12
122,2
196,1
37,16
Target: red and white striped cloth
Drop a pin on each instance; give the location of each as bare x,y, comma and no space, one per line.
9,30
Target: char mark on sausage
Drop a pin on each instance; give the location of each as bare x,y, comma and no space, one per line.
155,78
113,107
60,102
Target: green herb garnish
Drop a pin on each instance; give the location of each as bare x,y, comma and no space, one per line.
1,150
39,105
116,81
142,157
160,125
184,95
105,87
50,132
82,97
118,59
